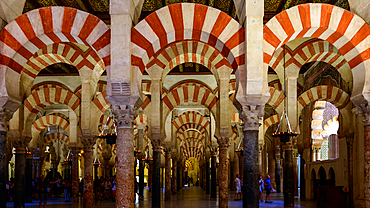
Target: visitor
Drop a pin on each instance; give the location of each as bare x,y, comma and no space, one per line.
261,187
65,186
114,190
42,186
268,189
237,185
107,186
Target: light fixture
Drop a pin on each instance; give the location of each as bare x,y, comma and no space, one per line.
110,137
284,135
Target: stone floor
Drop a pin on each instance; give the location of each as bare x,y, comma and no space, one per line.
187,197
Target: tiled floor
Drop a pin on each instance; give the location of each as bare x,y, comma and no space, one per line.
188,197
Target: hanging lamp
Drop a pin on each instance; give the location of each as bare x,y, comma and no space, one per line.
284,135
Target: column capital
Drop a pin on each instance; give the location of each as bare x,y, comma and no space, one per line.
20,146
125,115
288,146
5,116
157,140
88,141
214,151
168,146
251,114
223,142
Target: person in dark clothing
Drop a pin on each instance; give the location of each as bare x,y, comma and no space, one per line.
42,186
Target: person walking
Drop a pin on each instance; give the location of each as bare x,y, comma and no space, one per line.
42,186
261,187
238,187
268,189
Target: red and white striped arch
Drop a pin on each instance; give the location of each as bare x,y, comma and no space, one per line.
105,120
61,115
345,30
235,118
45,96
191,134
190,117
276,100
187,21
331,94
310,52
63,53
271,121
141,119
189,93
46,121
191,126
51,137
34,30
189,51
192,148
100,102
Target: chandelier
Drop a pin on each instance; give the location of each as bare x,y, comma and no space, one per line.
284,135
110,137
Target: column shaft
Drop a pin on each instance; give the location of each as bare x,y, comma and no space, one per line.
174,175
213,178
223,178
288,177
208,181
88,195
75,175
125,165
3,169
250,179
28,179
156,179
271,168
141,178
179,177
19,183
367,163
168,175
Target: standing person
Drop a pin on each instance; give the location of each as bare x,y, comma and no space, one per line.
237,184
42,186
261,187
114,190
107,186
65,186
268,189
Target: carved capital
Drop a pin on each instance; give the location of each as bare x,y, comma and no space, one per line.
125,115
223,142
157,144
75,150
250,115
88,142
214,151
288,146
5,116
20,146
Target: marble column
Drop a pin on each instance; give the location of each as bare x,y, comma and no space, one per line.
278,170
223,171
156,174
28,178
271,168
125,192
88,195
3,164
20,173
213,175
174,172
251,116
208,173
264,160
75,174
205,175
349,139
367,158
141,176
179,176
295,171
288,175
168,150
150,175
